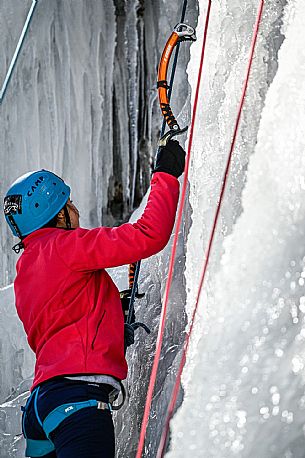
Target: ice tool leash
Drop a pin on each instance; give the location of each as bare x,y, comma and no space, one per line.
182,32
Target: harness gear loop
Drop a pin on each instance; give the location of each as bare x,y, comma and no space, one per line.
123,391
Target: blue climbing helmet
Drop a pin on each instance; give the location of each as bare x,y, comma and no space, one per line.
33,200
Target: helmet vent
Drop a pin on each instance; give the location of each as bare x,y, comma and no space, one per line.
37,205
54,184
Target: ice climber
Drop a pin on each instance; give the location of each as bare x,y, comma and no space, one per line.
70,308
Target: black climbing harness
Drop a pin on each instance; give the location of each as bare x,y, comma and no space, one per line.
36,448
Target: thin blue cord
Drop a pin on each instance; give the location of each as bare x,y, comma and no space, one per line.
17,51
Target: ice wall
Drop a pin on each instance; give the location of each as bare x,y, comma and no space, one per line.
17,367
244,380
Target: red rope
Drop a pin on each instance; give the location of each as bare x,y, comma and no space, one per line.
207,255
173,254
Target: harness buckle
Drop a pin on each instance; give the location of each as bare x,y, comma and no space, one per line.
103,405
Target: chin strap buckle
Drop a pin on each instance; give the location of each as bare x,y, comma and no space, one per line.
17,248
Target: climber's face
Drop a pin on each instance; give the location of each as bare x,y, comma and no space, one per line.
74,214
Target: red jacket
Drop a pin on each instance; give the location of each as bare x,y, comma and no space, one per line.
69,306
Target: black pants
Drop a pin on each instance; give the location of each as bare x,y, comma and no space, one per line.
88,433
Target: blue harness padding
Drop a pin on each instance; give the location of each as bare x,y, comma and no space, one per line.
37,448
64,411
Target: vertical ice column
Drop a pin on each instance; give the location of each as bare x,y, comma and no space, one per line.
245,380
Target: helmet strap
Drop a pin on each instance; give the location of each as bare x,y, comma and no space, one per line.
67,216
17,248
14,224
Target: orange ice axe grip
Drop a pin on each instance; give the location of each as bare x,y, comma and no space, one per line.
131,274
182,32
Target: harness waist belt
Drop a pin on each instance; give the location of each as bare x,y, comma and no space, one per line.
65,410
37,448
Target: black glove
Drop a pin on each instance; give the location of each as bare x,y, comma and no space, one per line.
170,159
129,330
128,335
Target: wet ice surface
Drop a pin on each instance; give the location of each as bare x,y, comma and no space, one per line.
17,365
244,381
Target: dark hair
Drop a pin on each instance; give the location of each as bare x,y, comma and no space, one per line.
51,223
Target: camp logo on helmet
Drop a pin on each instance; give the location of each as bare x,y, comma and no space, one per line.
12,204
35,186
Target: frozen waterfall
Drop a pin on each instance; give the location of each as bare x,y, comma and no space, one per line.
82,102
244,380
